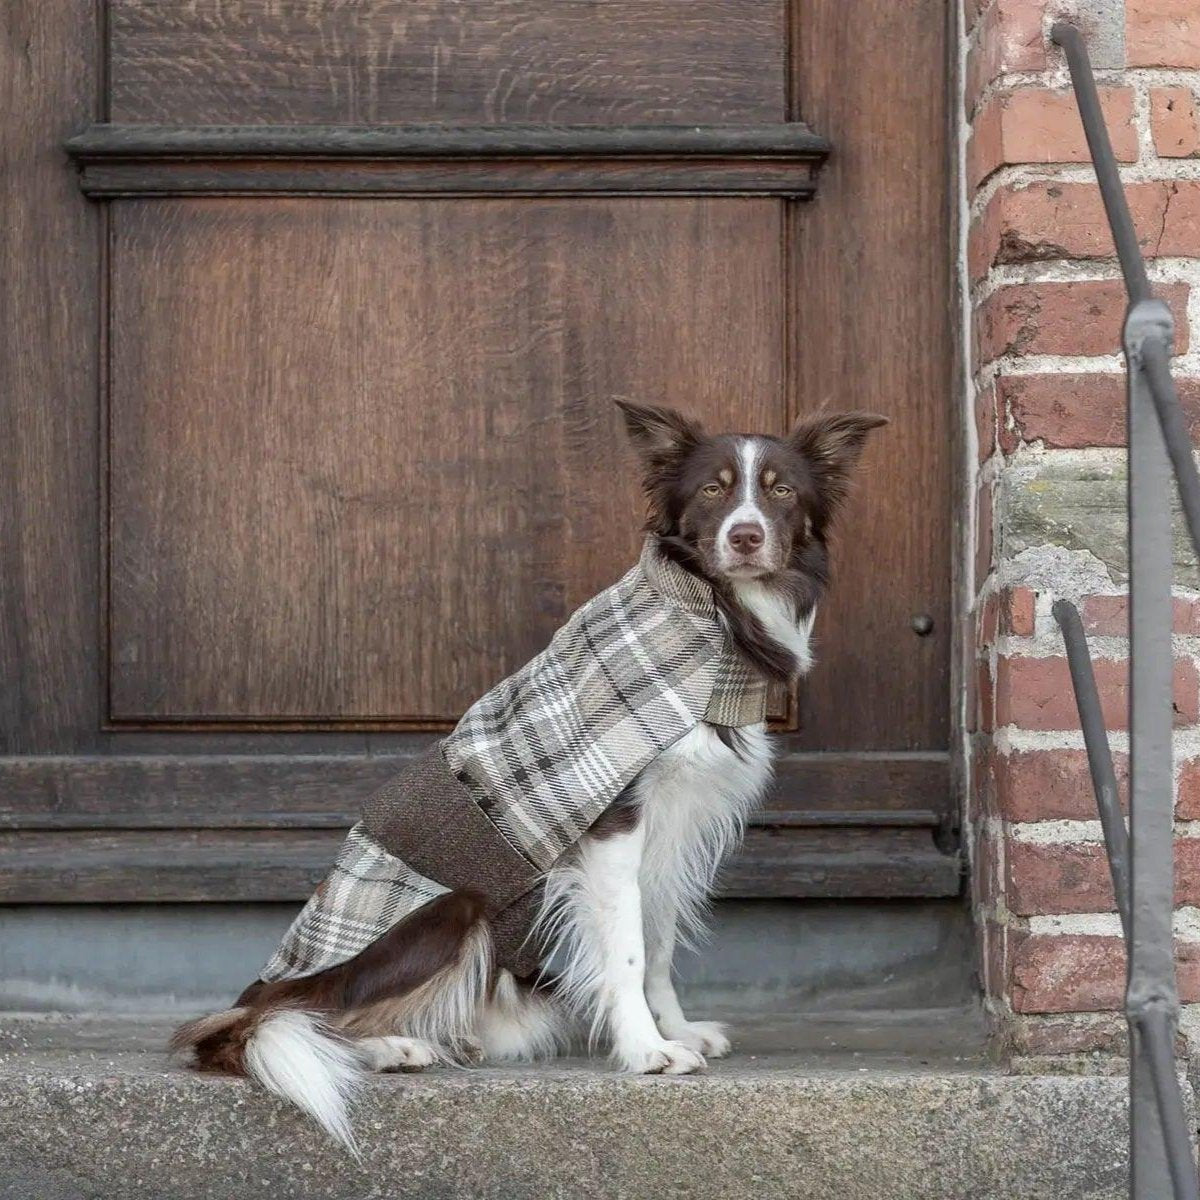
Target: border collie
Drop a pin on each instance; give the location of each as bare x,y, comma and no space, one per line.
740,522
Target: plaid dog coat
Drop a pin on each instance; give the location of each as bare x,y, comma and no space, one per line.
530,767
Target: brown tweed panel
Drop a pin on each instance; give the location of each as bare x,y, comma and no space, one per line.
426,817
515,949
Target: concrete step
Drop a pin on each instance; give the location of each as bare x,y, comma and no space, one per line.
885,1106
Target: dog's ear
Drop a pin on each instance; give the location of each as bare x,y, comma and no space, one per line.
659,432
832,442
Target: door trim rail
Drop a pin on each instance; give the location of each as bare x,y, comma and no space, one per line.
439,160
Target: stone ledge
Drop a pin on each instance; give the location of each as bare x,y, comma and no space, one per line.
900,1107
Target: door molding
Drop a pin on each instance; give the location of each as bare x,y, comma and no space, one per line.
265,827
425,160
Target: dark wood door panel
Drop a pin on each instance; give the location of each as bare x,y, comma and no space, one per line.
363,454
617,62
357,459
873,330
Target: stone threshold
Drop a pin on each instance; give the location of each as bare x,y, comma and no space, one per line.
893,1104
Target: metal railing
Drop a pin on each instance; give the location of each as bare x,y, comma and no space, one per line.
1161,1162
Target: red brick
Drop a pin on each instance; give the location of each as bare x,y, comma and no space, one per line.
1010,612
1105,615
1010,39
985,872
985,421
1050,220
972,10
995,976
1037,1034
985,693
1056,877
1033,125
1082,317
1017,611
982,801
1173,122
1072,411
1077,973
1036,693
1073,877
1108,616
1162,33
1067,974
987,621
1049,785
984,523
1187,803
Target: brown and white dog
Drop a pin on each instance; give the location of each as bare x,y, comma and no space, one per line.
747,514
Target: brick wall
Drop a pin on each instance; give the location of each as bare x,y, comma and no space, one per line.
1044,306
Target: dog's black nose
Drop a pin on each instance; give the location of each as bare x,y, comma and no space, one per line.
746,538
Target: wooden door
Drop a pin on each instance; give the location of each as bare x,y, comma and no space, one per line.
313,319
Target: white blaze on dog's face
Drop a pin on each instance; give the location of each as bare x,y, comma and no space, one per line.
761,498
748,505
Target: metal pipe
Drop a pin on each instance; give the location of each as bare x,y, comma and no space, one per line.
1157,1036
1156,360
1161,1161
1100,763
1121,223
1151,977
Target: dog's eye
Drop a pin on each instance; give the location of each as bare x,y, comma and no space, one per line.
712,489
782,491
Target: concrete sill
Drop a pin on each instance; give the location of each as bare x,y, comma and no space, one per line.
893,1105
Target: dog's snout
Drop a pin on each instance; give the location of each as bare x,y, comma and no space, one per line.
746,537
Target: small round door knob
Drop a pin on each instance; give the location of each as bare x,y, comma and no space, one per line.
922,624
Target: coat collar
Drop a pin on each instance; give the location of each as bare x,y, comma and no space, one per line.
674,583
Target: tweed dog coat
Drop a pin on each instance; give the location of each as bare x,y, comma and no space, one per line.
530,767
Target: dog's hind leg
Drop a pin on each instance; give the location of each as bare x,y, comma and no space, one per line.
520,1023
427,979
391,1053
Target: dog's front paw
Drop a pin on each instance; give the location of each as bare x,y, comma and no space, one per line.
705,1037
661,1058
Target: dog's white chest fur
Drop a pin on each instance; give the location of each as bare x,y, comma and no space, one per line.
701,781
694,799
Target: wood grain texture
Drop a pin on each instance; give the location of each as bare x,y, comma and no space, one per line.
182,865
871,330
49,245
326,790
840,864
364,456
237,62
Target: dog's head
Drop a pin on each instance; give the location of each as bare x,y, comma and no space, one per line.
745,506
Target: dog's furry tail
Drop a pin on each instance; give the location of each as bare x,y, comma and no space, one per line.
290,1052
